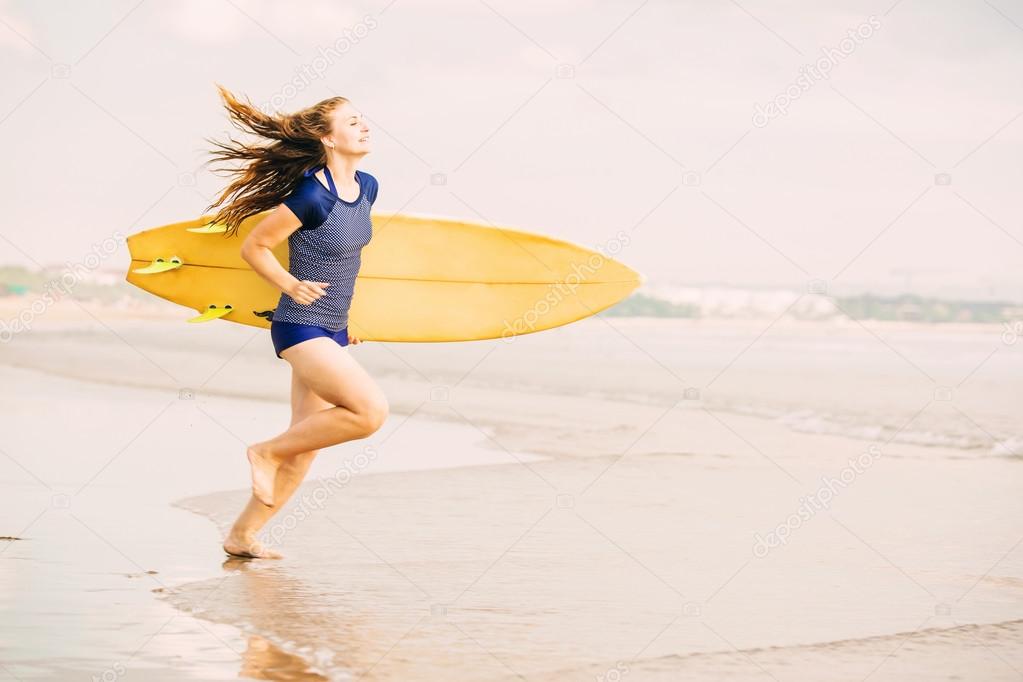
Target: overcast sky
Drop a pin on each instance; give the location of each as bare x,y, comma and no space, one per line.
899,170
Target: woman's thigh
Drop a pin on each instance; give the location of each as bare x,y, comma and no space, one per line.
329,371
304,400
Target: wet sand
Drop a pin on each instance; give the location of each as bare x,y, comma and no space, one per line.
554,508
571,568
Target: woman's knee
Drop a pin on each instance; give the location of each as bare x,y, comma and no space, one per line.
372,415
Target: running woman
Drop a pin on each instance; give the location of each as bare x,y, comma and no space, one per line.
321,204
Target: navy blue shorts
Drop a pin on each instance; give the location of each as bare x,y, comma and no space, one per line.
287,334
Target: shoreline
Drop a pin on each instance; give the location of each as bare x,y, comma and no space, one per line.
525,504
135,306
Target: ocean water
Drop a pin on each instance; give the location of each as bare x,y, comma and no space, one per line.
942,385
930,384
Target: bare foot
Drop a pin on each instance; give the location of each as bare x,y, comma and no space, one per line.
248,548
264,471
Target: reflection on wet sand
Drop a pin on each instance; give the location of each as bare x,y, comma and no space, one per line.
274,598
264,661
485,570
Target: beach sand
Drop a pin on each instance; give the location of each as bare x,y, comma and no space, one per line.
620,499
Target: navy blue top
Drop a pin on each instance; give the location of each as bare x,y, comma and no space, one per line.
327,247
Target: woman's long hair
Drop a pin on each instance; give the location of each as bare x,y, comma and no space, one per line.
264,174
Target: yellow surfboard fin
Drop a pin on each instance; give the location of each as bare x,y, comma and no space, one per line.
213,312
160,265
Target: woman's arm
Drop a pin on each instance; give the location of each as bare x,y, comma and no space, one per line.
257,251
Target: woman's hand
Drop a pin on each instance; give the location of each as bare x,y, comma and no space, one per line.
305,291
353,339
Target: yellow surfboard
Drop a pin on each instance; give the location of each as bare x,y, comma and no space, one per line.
422,278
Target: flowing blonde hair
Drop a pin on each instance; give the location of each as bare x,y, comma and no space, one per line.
264,174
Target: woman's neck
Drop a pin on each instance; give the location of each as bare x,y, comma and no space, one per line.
342,169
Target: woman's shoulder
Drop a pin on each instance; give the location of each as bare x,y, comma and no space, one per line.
371,186
307,203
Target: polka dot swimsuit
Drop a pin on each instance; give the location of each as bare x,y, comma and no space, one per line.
327,247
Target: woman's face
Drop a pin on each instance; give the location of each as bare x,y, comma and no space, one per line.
351,133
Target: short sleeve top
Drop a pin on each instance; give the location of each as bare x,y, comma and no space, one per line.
327,247
311,202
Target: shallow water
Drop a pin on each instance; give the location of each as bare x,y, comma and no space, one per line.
501,572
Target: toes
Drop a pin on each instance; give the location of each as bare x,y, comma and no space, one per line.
241,553
254,551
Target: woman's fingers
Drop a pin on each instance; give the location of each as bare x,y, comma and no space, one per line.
317,288
308,291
